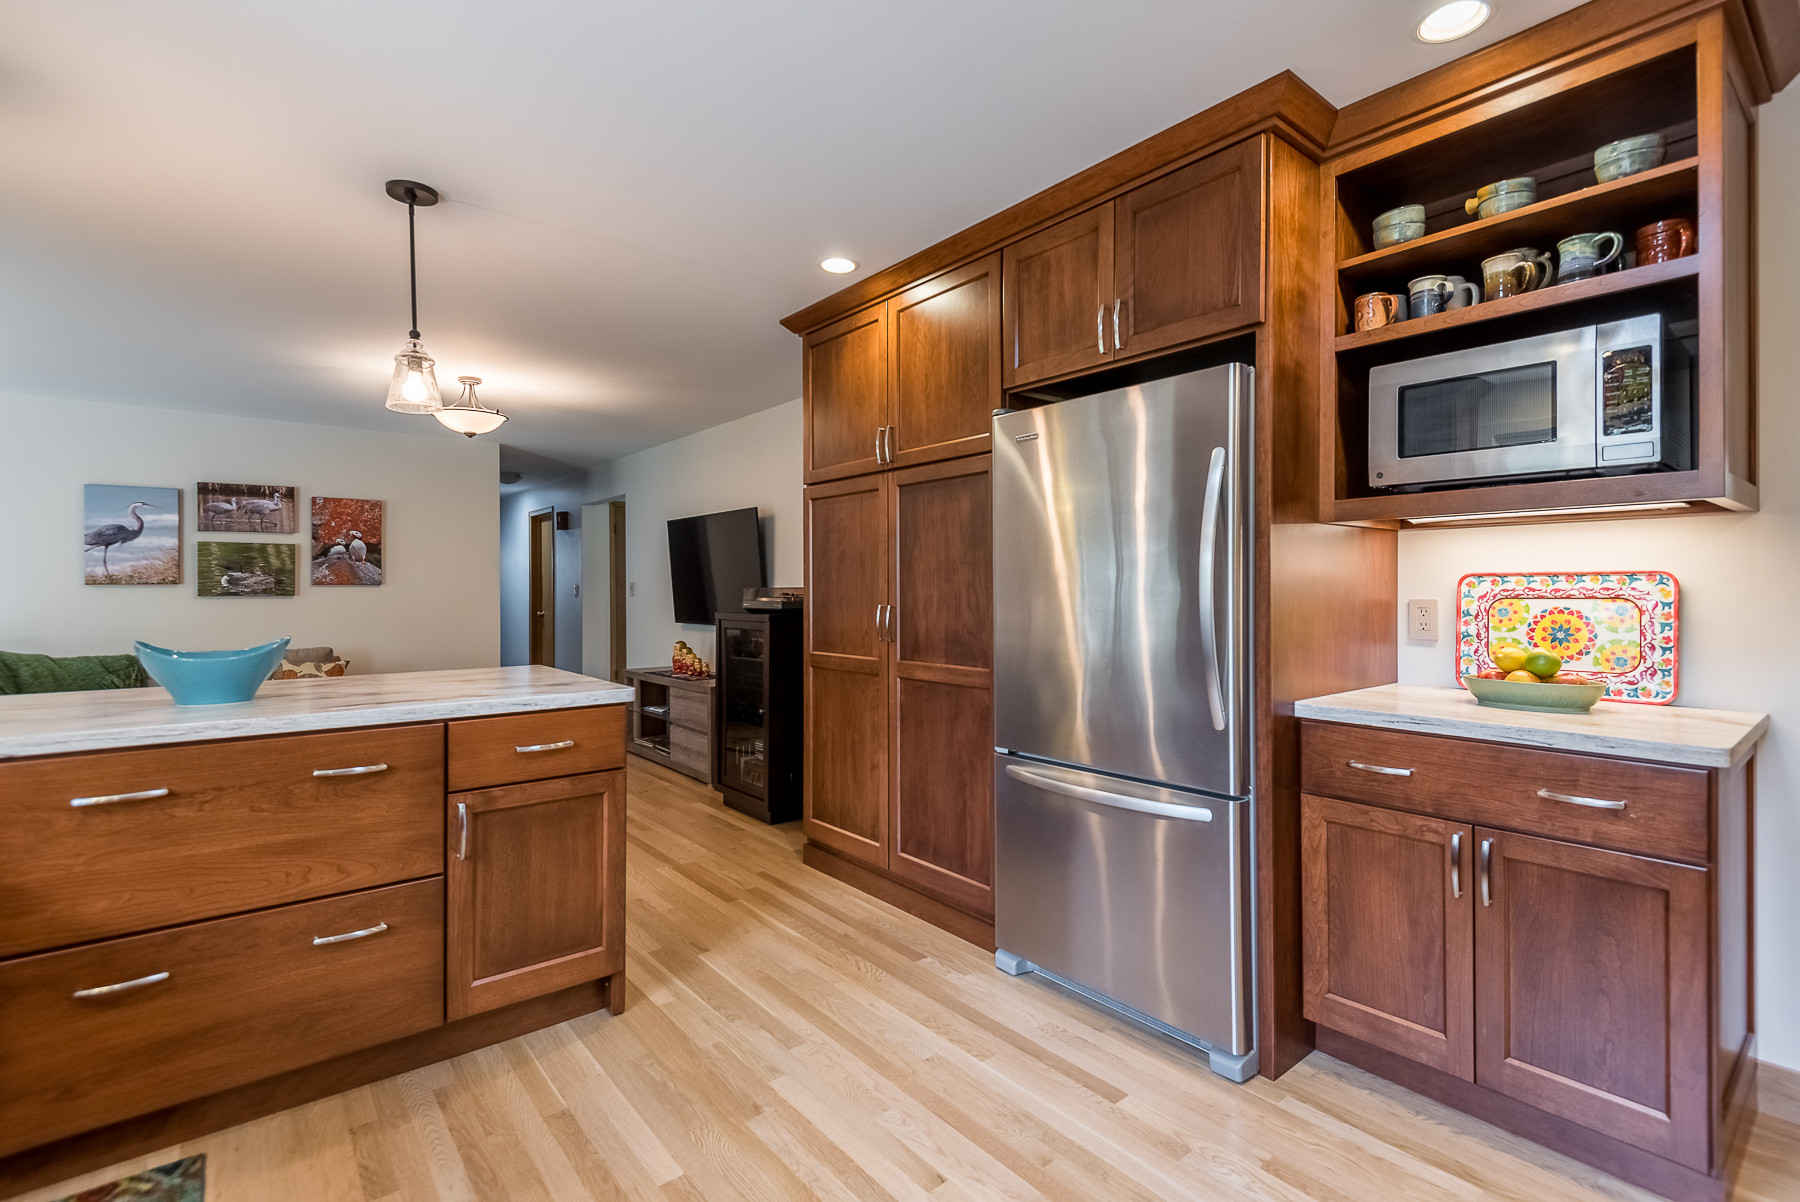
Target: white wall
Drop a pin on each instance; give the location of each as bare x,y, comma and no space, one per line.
439,604
754,460
1740,588
565,495
596,590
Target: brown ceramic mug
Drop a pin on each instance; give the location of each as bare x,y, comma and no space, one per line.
1377,309
1672,239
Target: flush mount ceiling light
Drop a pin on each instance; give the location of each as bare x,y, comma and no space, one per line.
1447,22
414,388
469,416
837,265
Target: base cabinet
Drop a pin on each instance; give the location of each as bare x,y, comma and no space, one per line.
1596,997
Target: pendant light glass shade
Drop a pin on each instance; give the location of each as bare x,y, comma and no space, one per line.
469,416
414,388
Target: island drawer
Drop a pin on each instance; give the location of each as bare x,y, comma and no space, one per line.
485,752
243,998
1520,789
106,843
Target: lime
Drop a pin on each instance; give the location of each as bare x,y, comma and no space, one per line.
1542,664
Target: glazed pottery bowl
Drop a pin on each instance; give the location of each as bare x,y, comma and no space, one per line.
1615,160
1502,196
1537,698
210,677
1399,225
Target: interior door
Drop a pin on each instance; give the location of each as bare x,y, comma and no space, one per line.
1388,930
533,871
543,588
847,602
942,816
1188,251
945,370
845,367
1579,1008
1058,298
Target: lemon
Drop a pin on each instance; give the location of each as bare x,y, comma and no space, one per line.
1509,657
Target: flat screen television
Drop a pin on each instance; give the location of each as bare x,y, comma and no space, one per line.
713,558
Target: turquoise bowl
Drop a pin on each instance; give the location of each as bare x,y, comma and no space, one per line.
210,677
1543,698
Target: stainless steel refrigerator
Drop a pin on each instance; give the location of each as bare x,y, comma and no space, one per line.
1122,709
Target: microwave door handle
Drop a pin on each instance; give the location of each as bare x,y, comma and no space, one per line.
1209,585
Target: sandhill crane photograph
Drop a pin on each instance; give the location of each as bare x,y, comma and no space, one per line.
247,508
131,534
244,569
346,541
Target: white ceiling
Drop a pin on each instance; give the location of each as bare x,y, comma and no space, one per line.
192,215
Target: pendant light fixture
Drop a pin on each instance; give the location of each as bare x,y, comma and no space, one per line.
414,388
469,416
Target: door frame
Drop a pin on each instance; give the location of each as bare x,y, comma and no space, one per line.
539,600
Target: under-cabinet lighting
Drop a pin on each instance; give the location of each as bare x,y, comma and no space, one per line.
1457,19
838,265
1584,511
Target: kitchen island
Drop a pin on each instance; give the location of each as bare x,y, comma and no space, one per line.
1541,919
209,913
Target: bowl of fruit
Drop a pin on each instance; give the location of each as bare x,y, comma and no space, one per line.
1533,680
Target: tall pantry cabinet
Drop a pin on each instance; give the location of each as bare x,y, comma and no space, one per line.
899,785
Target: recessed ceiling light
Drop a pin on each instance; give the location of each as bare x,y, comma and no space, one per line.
1447,22
837,265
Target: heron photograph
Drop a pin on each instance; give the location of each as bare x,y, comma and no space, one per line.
244,569
131,534
346,541
247,508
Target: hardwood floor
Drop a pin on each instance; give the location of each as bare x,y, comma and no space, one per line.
791,1037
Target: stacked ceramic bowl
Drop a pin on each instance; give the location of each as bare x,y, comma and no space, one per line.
1502,196
1399,225
1628,156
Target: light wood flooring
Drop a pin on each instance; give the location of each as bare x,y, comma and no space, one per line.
789,1037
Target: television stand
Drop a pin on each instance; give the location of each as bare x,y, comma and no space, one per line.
672,720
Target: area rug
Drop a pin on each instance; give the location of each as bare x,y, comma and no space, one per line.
181,1180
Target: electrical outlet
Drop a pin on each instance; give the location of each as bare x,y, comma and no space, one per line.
1422,620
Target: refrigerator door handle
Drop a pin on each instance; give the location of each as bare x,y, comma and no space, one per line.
1209,579
1161,809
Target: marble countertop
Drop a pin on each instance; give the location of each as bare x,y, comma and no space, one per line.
1669,734
55,723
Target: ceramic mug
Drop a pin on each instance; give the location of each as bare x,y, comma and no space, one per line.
1463,293
1516,272
1581,257
1435,293
1377,309
1672,239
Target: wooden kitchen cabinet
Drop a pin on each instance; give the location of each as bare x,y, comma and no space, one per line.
535,890
845,378
945,364
1059,295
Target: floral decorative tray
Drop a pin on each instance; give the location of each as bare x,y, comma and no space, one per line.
1618,627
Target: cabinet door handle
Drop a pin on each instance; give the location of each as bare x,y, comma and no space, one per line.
1456,864
106,799
1383,770
347,936
545,747
361,770
108,990
1486,872
880,637
891,432
1117,345
890,624
1100,327
1593,803
462,828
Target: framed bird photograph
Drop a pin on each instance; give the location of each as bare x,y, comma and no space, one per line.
346,541
244,569
247,508
132,534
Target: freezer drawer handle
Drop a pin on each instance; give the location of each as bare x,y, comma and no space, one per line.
1593,803
1162,809
1385,771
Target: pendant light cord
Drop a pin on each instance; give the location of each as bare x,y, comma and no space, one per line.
412,262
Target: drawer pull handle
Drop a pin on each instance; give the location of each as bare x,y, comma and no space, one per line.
106,799
361,770
122,986
347,936
545,746
1592,803
1385,771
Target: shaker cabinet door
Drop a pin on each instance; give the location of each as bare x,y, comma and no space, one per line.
942,780
1059,298
1387,928
1590,1000
847,603
945,368
845,368
1188,251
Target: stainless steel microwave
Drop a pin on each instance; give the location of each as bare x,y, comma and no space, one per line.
1598,400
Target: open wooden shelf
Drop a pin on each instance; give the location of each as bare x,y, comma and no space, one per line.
1617,282
1623,205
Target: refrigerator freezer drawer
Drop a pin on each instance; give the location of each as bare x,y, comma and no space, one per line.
1130,891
